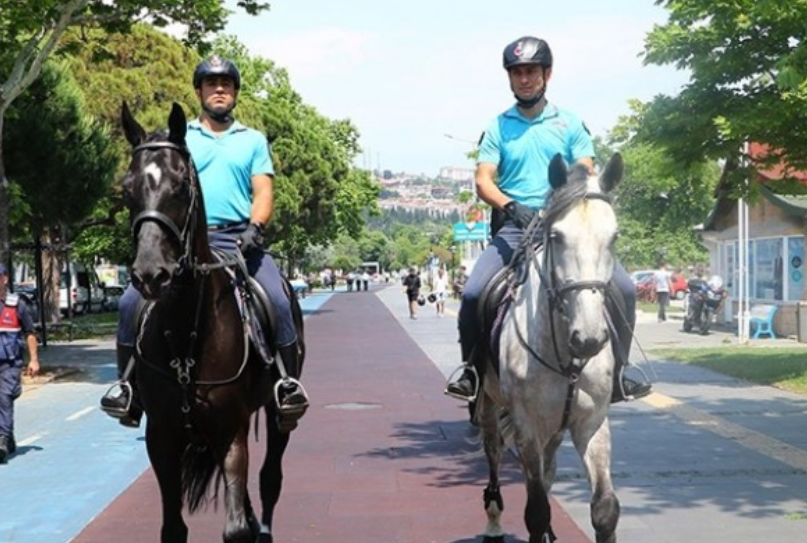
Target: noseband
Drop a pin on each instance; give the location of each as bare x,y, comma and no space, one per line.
184,236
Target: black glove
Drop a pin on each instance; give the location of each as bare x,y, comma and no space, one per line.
251,239
520,214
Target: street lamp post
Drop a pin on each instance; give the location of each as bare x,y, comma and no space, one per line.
453,249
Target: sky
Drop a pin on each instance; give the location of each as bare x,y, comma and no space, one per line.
421,79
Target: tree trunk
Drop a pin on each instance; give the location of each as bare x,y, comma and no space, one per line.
5,198
51,277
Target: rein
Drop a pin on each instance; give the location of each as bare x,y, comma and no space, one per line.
555,296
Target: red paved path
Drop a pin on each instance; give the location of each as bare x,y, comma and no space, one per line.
382,456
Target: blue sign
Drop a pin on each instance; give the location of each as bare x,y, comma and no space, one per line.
477,231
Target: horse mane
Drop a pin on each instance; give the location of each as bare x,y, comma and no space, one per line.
571,192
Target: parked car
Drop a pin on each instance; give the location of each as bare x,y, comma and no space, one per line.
112,295
646,287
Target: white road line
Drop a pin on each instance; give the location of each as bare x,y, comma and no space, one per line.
79,414
28,440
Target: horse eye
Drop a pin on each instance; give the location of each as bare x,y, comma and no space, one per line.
556,236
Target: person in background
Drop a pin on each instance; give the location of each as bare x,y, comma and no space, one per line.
16,333
440,290
412,285
662,281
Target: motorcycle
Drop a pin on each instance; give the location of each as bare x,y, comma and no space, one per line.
703,300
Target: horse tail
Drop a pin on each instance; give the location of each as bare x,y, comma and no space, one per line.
199,465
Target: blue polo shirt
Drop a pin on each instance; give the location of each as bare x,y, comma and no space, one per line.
522,148
226,164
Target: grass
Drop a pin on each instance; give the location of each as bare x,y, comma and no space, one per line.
785,367
93,325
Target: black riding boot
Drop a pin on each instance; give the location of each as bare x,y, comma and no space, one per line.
464,388
625,388
290,397
121,400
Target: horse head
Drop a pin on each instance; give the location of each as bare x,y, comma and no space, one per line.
581,231
161,190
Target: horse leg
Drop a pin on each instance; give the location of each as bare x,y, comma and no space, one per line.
237,528
165,454
593,443
537,513
492,442
271,476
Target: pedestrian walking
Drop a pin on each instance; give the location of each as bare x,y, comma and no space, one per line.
440,291
411,285
663,284
16,332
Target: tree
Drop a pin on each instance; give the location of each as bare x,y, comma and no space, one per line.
30,32
748,83
71,157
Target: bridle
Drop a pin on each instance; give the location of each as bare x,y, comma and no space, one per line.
183,360
183,236
556,295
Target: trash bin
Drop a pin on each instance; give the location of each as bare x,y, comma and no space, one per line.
801,322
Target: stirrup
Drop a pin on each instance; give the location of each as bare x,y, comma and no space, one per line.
471,398
623,396
289,382
119,412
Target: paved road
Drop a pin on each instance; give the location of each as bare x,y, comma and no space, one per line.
706,459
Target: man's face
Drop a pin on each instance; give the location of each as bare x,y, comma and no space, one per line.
527,80
217,93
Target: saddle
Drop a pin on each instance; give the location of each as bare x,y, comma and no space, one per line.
496,299
254,304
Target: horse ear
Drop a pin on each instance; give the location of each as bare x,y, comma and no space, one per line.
557,171
177,125
131,129
613,173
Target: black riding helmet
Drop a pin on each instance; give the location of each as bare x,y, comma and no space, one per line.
527,50
216,65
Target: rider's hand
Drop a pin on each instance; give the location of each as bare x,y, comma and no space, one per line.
520,214
251,239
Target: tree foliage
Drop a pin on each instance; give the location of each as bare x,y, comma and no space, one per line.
749,81
30,33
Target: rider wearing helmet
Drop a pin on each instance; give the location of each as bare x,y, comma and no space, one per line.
512,176
236,175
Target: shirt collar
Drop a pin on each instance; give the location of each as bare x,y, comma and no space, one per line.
196,124
550,111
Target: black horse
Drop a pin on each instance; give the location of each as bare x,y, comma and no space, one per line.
200,379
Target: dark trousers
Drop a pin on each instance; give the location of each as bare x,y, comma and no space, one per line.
260,265
663,300
10,390
495,257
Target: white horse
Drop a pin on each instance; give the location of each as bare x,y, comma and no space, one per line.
555,359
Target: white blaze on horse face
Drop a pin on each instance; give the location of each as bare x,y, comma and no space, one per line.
154,172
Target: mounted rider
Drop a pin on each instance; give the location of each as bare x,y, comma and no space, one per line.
236,175
512,176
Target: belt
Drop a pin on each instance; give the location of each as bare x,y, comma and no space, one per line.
227,226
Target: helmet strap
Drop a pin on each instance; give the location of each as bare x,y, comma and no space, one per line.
530,102
222,117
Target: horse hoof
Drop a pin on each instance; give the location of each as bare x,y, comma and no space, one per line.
265,538
493,539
